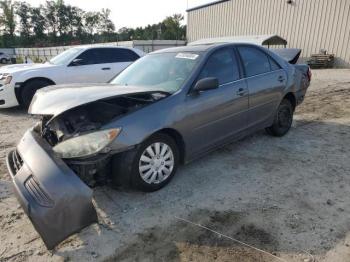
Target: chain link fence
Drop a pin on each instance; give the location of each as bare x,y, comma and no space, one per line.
44,54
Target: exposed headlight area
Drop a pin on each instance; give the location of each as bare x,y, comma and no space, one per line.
5,78
81,123
86,145
79,138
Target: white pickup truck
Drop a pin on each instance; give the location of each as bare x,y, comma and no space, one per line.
83,64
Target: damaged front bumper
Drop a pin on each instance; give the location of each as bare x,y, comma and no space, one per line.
57,202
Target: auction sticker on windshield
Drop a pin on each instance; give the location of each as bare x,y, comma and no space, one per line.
187,56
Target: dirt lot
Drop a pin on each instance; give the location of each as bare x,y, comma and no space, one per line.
289,196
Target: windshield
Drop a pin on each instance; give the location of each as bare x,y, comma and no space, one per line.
65,57
166,71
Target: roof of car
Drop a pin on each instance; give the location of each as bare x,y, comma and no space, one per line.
197,48
101,46
268,40
207,44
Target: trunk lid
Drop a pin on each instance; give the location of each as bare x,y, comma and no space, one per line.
289,54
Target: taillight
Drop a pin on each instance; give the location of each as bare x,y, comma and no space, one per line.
309,74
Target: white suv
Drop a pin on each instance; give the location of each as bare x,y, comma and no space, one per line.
84,64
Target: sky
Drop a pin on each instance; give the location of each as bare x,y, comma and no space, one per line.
134,13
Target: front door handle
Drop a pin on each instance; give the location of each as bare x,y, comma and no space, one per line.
240,92
281,78
106,68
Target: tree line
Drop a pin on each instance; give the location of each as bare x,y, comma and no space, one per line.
57,23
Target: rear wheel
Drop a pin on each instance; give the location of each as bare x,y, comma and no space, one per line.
3,61
29,89
151,167
283,119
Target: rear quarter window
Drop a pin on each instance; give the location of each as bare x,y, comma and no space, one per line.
274,65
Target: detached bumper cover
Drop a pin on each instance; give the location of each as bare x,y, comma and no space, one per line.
57,202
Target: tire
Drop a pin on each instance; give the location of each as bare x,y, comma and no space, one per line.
29,89
283,119
156,172
3,61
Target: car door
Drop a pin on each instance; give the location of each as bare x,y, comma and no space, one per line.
122,58
87,68
115,60
266,81
217,114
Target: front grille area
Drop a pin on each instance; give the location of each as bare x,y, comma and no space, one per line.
17,161
93,171
37,193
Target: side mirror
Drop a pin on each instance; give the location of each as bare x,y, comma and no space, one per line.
207,83
76,62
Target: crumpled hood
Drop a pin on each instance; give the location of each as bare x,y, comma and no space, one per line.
9,69
54,100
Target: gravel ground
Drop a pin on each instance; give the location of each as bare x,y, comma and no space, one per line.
288,196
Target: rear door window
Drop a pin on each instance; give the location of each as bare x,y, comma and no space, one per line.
221,64
255,62
116,55
126,55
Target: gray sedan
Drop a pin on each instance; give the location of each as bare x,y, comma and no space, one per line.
167,108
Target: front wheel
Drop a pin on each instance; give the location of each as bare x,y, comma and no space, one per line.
155,163
283,119
29,89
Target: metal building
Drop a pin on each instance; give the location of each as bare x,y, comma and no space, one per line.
311,25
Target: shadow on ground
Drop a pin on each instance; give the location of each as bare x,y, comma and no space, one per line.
287,195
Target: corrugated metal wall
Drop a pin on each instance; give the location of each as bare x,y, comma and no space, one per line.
308,24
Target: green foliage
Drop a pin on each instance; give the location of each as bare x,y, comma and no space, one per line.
172,27
37,60
7,21
38,22
23,12
19,60
169,29
92,21
56,23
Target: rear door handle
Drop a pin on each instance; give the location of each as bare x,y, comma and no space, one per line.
240,92
281,78
106,68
